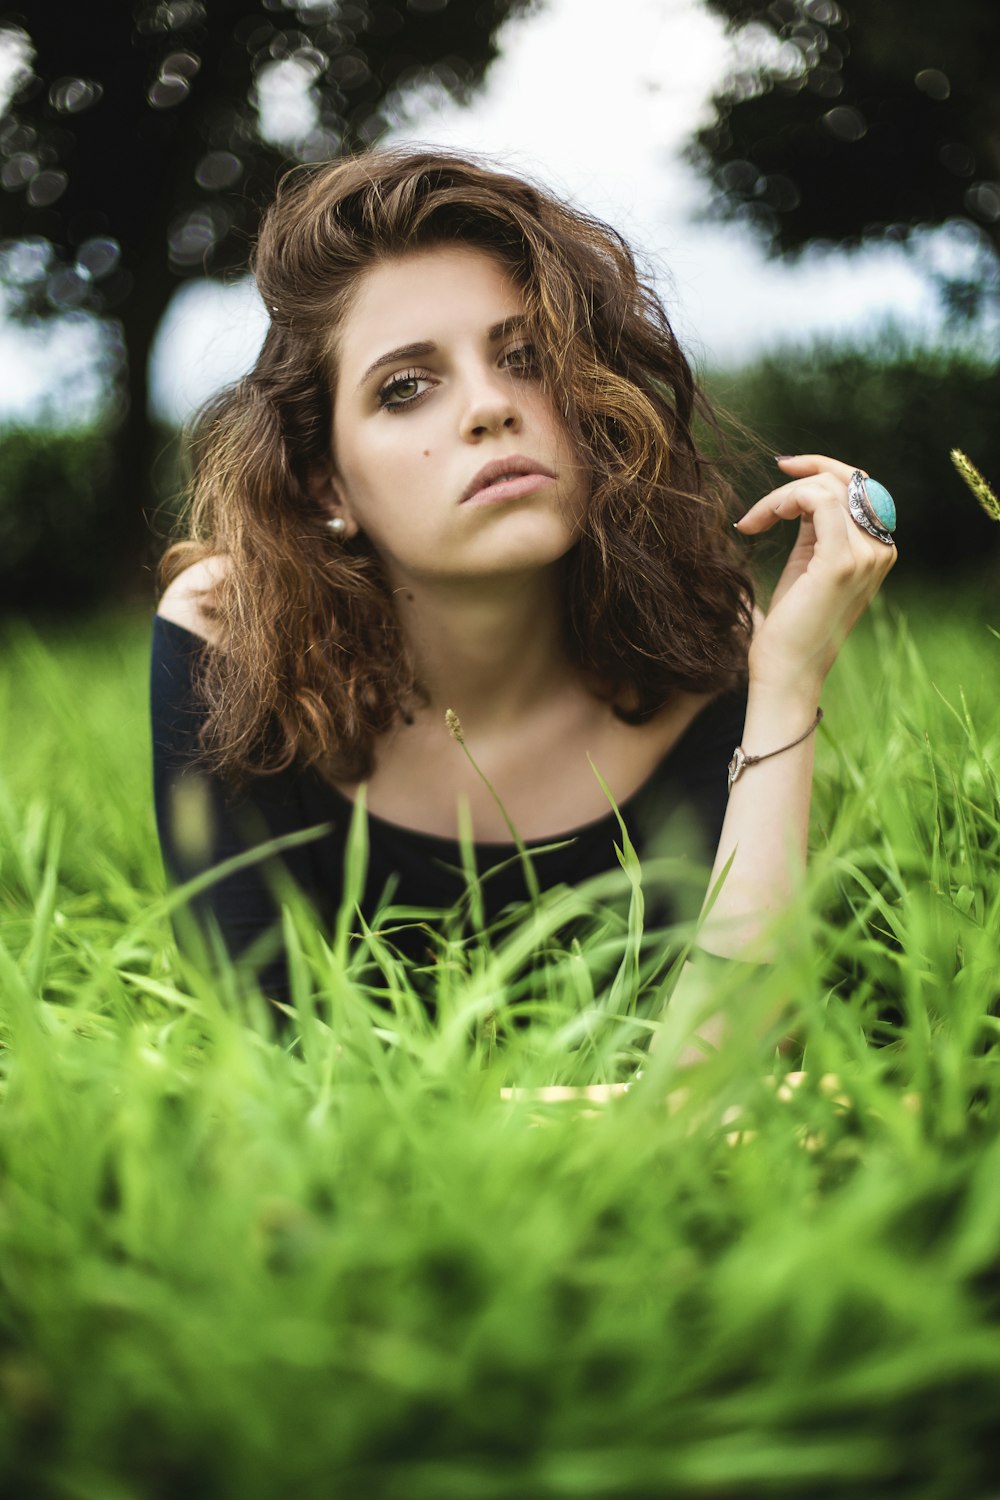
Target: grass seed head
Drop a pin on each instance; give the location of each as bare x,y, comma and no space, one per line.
976,483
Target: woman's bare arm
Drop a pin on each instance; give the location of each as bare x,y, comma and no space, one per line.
831,576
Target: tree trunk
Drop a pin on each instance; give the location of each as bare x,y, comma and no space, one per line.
133,497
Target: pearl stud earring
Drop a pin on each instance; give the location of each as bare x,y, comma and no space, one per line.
337,525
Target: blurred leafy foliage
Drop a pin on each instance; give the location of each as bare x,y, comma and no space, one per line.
895,412
137,149
58,519
867,119
54,516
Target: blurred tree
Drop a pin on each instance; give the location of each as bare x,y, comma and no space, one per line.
140,141
873,118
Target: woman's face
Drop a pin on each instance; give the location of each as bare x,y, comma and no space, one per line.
435,380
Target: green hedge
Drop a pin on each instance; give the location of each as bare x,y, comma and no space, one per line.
896,412
55,524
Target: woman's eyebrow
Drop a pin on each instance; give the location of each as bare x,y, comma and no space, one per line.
405,351
416,351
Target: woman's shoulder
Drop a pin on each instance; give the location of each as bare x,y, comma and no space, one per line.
189,599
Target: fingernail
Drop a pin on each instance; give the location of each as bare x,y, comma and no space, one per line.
780,458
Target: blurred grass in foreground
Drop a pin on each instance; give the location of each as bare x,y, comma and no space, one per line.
235,1266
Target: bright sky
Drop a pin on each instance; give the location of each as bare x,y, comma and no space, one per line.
596,102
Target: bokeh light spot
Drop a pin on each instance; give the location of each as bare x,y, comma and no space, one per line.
18,170
826,82
46,187
98,256
15,137
983,200
933,83
71,96
779,192
166,92
218,170
191,237
169,15
957,157
180,65
845,123
740,177
350,70
826,12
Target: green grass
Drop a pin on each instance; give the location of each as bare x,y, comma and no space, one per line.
338,1262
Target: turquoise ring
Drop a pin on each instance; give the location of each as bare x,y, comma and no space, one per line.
872,507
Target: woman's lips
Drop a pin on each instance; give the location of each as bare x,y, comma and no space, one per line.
508,489
499,470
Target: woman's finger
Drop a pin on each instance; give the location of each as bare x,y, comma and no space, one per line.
802,464
822,493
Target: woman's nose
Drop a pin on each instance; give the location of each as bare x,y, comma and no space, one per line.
492,404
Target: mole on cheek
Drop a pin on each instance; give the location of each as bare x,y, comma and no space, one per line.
427,453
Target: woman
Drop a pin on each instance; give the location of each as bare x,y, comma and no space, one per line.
462,476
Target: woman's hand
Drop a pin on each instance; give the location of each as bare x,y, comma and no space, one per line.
834,571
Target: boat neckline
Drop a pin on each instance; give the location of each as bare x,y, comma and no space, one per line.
442,841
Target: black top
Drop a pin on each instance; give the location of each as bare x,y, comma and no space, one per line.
201,823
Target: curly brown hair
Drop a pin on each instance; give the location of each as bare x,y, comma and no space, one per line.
656,597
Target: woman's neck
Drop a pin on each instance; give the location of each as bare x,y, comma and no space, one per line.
491,650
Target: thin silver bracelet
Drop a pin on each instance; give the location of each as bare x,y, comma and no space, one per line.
741,760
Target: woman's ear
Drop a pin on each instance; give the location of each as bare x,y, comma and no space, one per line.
325,490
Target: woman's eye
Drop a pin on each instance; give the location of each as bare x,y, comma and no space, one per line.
522,358
403,386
